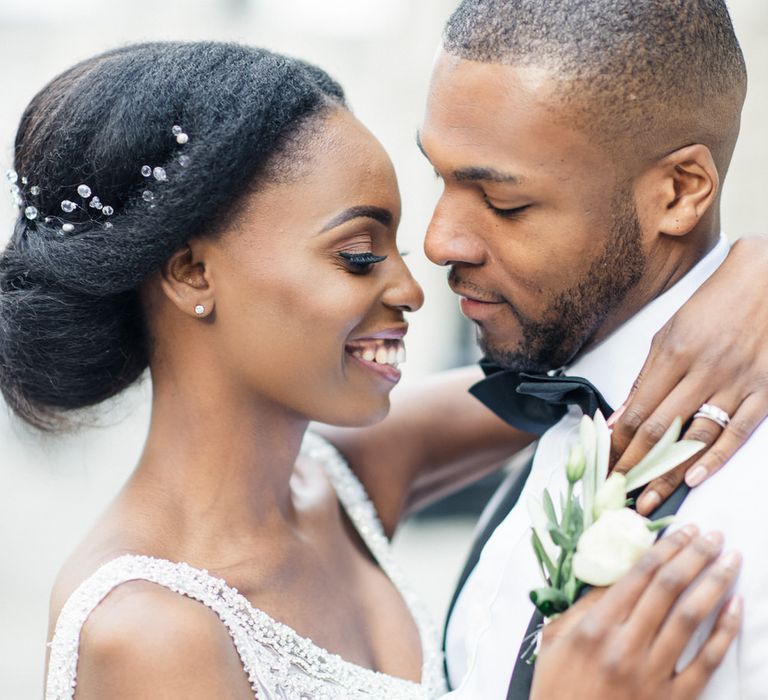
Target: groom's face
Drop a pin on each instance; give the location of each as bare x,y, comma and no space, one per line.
537,225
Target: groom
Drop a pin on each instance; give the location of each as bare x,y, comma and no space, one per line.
583,145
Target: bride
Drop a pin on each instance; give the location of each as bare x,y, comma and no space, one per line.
215,212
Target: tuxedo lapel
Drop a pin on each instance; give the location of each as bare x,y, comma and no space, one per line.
522,674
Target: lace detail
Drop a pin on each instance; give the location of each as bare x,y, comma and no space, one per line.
280,663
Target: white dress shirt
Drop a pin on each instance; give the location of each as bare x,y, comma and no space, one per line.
492,613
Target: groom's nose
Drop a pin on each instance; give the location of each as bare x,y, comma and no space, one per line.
450,238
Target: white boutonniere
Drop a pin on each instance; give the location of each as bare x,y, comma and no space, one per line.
594,537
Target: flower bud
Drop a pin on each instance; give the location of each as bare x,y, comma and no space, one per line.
577,462
612,495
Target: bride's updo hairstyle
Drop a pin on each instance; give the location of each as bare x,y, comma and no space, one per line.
212,121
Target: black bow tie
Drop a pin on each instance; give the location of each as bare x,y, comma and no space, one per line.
535,402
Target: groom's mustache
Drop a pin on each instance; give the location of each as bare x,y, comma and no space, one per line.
464,288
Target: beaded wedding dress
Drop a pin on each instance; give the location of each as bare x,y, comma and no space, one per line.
280,664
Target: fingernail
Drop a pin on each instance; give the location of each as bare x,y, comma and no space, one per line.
615,415
648,502
714,537
695,475
735,606
730,560
690,530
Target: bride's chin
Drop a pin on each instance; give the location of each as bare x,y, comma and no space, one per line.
360,414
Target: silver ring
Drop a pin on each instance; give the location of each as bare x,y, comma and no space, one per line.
714,413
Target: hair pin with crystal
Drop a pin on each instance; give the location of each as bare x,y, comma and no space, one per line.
84,192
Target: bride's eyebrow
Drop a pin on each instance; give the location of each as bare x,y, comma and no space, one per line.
383,216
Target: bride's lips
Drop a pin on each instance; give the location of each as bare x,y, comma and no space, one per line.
380,352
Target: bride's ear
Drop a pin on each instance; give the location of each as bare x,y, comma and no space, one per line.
186,282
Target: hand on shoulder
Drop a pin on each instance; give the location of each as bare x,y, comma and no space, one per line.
146,641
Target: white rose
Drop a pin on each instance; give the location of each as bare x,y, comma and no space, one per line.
610,546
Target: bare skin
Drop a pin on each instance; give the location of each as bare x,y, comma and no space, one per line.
433,432
677,378
479,118
219,485
554,240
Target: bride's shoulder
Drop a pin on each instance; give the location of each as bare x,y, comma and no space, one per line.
145,640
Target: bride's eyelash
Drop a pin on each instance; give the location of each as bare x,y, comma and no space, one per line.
361,263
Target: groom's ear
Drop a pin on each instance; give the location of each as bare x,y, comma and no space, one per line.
683,186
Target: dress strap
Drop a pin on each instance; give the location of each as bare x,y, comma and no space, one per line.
178,577
362,513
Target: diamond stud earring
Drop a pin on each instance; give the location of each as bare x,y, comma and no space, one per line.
199,309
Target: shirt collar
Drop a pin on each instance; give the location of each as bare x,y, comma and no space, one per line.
613,365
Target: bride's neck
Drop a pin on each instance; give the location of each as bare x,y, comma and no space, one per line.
218,460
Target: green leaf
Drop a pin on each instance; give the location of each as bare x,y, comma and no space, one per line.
576,525
669,438
549,508
561,539
549,601
548,569
572,588
589,480
661,523
672,456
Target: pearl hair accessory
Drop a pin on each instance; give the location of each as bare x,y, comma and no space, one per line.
26,200
199,309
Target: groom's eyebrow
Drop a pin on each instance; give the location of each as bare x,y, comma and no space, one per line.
488,174
475,173
383,216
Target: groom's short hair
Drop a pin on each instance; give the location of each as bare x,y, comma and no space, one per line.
665,72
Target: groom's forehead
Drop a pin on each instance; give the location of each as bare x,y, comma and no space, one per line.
497,116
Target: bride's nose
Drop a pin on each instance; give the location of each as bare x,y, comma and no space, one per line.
403,292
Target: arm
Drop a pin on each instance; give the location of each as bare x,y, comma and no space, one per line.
436,438
714,350
624,642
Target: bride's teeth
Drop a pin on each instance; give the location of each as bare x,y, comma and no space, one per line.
382,351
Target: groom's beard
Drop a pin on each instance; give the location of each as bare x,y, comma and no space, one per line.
575,315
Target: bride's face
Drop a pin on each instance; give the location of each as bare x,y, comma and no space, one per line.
304,316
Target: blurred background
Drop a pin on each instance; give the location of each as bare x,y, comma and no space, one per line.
381,51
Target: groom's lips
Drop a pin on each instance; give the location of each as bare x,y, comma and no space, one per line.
477,307
479,310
